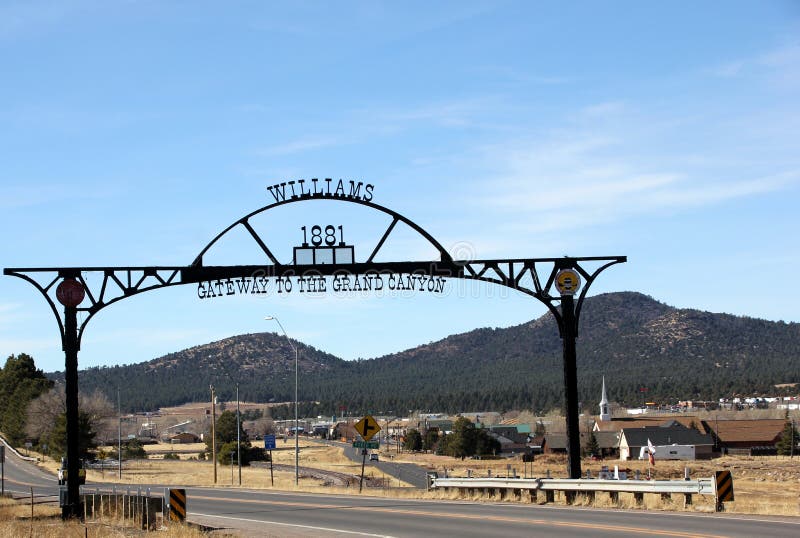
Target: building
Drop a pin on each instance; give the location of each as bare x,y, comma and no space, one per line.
749,437
605,414
184,438
607,442
513,439
617,423
631,440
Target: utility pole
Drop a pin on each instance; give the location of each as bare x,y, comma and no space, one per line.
238,436
296,420
214,432
119,433
296,423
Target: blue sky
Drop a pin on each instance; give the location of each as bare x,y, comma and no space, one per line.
134,132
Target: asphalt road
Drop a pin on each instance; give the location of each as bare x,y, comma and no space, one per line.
285,514
20,476
407,472
292,514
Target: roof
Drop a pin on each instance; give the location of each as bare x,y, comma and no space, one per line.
556,441
616,424
184,434
765,431
664,436
607,439
508,431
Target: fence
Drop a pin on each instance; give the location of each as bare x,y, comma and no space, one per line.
149,512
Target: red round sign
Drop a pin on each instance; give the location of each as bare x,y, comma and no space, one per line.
70,292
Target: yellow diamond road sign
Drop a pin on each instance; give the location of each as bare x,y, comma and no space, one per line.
367,427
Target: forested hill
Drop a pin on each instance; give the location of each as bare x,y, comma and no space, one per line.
262,364
630,338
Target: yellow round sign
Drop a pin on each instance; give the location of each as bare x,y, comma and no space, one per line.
568,281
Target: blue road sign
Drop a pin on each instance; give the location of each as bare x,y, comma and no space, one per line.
269,442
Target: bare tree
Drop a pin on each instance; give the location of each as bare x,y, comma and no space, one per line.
263,426
44,411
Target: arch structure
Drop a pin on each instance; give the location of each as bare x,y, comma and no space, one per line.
105,286
100,287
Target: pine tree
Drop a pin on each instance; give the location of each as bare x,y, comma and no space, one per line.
20,382
789,436
413,441
592,447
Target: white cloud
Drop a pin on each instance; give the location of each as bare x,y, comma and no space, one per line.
8,311
303,144
786,56
39,193
728,70
367,123
590,174
610,108
20,17
784,65
150,335
500,72
780,66
455,113
30,346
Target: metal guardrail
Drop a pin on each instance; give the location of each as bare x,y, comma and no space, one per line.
14,450
702,486
586,486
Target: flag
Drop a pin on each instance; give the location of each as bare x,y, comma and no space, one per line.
651,450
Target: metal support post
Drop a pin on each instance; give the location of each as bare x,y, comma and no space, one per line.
568,331
296,423
71,345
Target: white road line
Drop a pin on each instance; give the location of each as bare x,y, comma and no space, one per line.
309,527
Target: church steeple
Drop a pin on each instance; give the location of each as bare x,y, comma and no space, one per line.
604,414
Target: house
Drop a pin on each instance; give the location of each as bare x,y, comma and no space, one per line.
184,438
607,442
429,422
748,437
632,440
509,446
513,439
344,431
487,417
617,423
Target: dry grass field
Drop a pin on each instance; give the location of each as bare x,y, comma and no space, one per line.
16,522
762,485
767,485
187,471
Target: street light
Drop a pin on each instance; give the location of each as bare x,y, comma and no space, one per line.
296,421
238,427
214,431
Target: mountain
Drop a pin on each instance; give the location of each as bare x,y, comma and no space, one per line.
633,340
262,364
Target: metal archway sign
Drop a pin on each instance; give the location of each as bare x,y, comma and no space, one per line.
556,282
